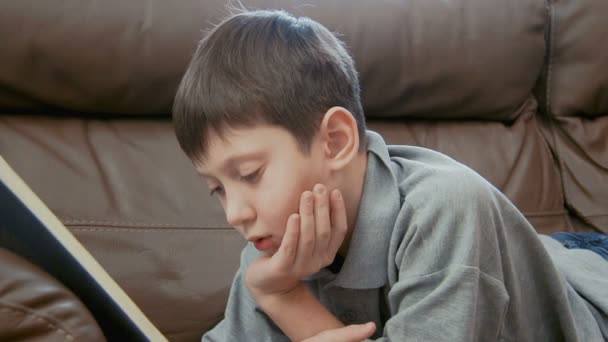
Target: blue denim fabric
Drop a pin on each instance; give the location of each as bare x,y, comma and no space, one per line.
596,242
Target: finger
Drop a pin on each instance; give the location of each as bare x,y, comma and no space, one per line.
306,243
355,332
322,222
339,224
350,333
285,256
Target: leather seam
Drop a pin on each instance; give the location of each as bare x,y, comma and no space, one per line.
545,213
129,226
138,230
550,56
127,223
137,225
151,229
596,215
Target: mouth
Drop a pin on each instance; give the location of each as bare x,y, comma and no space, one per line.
262,244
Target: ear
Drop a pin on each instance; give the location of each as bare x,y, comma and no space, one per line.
340,137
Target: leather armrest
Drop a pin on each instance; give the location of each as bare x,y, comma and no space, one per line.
36,307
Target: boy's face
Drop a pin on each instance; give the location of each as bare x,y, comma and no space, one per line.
258,174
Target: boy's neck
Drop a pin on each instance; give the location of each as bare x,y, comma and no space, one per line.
352,191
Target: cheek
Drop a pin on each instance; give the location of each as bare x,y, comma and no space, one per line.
276,203
281,198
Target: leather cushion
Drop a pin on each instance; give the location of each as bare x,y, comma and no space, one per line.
425,59
576,81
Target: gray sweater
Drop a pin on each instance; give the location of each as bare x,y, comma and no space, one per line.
439,254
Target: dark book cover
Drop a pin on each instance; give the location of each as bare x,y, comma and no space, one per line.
29,228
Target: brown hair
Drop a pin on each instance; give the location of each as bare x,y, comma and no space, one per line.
264,67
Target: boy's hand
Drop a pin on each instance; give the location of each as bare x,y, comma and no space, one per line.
350,333
310,242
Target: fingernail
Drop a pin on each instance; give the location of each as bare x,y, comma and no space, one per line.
308,198
319,189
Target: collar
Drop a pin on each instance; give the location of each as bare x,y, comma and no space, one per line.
366,264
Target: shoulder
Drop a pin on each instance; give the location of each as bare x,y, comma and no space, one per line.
449,213
429,179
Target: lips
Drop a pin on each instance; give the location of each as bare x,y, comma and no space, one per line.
263,244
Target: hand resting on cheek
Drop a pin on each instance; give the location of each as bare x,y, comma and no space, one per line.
311,240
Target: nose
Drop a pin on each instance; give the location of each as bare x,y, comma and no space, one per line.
239,211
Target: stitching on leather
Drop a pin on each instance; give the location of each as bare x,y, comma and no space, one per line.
128,226
154,230
44,320
545,213
549,110
128,223
550,57
121,224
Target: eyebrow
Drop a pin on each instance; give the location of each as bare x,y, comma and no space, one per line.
229,162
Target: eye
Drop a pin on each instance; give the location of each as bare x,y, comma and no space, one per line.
251,177
217,190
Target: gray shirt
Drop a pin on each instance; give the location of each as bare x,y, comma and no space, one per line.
439,254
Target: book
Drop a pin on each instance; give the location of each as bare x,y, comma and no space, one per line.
30,229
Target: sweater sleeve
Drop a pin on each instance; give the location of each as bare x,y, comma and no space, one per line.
243,319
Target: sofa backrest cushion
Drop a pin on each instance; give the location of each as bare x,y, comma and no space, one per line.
576,79
428,59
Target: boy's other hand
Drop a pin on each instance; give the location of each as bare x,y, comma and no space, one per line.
311,240
350,333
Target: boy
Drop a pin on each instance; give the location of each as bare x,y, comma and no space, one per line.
345,230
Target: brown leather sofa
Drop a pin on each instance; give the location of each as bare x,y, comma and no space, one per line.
516,89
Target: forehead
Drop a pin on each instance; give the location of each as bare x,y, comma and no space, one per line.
242,144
